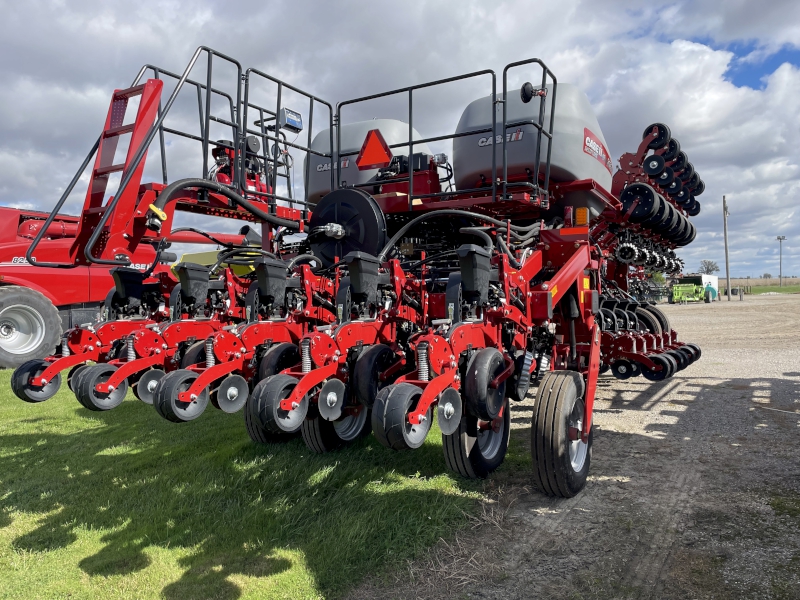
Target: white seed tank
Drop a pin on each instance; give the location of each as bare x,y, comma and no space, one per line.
352,138
579,148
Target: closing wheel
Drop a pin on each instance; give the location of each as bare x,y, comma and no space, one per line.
660,139
166,400
661,361
476,448
688,354
679,358
697,351
653,165
232,393
622,369
366,375
267,397
644,196
482,400
25,391
390,417
449,411
89,397
277,358
332,399
560,459
145,388
29,326
72,376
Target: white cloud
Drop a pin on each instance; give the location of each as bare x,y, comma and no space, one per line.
639,63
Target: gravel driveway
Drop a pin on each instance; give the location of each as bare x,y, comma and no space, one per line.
694,488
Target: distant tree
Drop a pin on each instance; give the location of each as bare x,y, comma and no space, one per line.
708,267
658,277
766,276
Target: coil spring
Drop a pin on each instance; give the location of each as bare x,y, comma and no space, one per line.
305,356
131,351
422,362
64,347
210,359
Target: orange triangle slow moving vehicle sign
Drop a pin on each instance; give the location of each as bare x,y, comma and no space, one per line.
375,153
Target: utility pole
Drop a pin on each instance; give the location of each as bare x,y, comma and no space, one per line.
727,263
780,239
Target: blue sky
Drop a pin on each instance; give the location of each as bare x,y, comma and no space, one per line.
724,76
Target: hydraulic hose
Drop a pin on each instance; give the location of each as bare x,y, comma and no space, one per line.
511,258
157,208
478,231
302,258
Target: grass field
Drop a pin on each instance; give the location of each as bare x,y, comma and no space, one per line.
126,505
785,289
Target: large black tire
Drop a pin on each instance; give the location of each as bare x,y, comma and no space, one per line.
389,417
650,321
30,327
319,435
90,398
24,391
372,362
560,466
662,319
194,355
277,358
473,453
483,401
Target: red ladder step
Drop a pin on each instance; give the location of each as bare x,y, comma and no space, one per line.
116,131
107,170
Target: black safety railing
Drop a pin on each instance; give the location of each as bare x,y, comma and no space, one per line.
537,123
411,141
203,138
273,133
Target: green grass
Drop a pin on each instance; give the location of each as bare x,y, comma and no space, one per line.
785,289
126,505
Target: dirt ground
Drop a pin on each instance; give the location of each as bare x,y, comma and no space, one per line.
694,487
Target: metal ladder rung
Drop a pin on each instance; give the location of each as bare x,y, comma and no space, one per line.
130,92
107,170
116,131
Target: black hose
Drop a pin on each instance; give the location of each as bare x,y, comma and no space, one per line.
487,241
226,255
511,258
302,258
205,234
434,214
218,188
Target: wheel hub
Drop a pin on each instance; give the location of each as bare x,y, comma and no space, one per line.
22,329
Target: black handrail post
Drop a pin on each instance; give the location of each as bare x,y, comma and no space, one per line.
207,116
410,150
275,146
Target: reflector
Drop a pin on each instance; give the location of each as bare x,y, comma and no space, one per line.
375,153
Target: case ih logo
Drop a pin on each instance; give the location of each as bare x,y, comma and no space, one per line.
594,147
510,137
327,166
